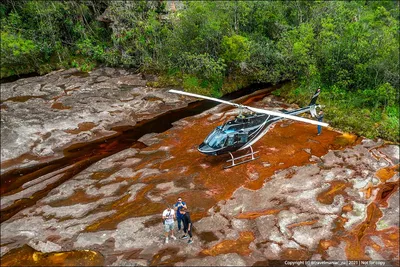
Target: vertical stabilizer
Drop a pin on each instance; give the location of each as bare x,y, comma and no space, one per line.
313,102
315,97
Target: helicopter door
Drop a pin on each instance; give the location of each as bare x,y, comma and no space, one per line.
236,139
230,141
242,138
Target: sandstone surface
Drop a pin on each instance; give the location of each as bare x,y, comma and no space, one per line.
40,116
306,197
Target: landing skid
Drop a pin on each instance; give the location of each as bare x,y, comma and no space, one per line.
233,159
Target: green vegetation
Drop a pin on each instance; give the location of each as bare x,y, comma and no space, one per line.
348,48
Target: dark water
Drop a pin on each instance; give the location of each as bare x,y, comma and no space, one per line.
13,78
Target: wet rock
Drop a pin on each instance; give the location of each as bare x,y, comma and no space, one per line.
377,240
272,251
214,223
215,117
134,189
3,251
130,162
86,240
123,173
169,188
132,233
392,152
309,236
337,253
8,200
266,164
149,139
390,216
331,159
373,254
112,161
91,98
116,203
67,189
74,211
107,190
231,259
45,246
123,262
146,172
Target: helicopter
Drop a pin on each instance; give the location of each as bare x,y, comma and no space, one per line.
247,128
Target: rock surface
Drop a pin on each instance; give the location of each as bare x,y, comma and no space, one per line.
41,116
306,197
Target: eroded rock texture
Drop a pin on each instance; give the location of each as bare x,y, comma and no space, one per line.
41,116
332,196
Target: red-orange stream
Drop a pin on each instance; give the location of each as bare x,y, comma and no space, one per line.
203,177
239,246
27,256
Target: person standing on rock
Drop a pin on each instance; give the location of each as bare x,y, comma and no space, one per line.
187,225
178,206
168,217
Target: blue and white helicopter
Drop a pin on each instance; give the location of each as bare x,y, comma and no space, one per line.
246,129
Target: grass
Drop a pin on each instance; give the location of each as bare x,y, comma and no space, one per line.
341,112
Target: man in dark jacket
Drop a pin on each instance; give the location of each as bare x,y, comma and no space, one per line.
187,224
180,204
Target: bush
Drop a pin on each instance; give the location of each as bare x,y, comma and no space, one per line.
202,66
18,55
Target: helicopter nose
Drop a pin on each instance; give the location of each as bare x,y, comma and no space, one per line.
206,149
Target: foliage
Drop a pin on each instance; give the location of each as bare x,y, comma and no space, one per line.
350,111
203,66
47,35
235,49
16,51
348,48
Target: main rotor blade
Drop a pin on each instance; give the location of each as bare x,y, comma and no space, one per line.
204,97
287,116
257,110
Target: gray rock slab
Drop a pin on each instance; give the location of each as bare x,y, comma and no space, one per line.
74,211
132,233
392,151
134,189
136,262
107,190
337,253
213,223
8,200
231,259
100,99
68,188
390,216
44,247
86,240
149,139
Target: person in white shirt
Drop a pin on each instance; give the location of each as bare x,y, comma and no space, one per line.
168,217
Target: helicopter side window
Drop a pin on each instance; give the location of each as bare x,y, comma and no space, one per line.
237,138
230,140
242,138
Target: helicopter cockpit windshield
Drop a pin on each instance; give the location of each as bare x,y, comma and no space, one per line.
216,139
